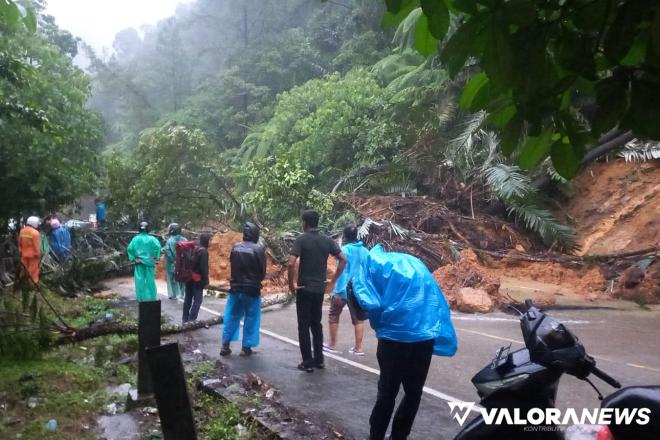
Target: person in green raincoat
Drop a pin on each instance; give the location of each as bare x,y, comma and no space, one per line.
174,288
144,251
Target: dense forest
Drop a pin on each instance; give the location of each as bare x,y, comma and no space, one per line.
259,108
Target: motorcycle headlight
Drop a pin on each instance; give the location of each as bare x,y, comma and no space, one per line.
490,387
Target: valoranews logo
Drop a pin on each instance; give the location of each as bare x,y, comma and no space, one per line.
539,416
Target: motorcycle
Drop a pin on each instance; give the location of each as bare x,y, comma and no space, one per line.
527,380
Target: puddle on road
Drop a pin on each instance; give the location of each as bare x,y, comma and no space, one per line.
119,427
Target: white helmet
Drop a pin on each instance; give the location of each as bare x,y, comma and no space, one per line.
33,221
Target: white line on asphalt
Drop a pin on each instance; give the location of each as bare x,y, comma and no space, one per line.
428,390
467,317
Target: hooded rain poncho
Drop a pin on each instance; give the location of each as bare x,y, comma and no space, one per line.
175,289
60,241
403,301
147,249
356,254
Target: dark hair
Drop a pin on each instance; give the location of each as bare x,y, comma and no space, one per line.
311,218
204,239
350,234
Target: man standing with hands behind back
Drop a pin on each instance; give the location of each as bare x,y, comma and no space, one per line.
312,249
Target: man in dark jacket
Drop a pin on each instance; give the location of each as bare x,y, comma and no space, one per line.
195,288
248,270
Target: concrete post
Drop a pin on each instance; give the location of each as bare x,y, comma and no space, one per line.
148,336
176,416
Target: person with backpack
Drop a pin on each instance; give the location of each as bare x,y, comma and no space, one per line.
343,294
410,315
199,280
311,249
248,270
175,289
144,251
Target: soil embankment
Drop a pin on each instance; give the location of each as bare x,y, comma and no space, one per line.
220,270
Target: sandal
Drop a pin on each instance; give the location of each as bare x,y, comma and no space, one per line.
225,351
329,349
246,351
356,353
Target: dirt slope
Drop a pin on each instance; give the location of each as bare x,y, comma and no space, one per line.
616,207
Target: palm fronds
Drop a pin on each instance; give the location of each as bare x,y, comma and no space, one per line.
639,151
516,191
363,230
541,221
508,181
404,37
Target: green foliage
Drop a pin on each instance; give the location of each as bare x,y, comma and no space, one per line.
24,325
67,386
48,148
174,175
327,124
281,189
14,15
540,63
223,427
219,66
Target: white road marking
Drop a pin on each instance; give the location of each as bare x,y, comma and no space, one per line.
468,317
427,390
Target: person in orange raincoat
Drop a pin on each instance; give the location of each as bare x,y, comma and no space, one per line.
29,246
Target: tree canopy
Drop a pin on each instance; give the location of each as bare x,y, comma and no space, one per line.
553,76
50,140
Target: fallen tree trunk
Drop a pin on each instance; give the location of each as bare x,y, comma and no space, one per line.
609,142
71,336
128,329
648,252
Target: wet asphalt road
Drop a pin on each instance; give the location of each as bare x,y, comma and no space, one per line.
624,342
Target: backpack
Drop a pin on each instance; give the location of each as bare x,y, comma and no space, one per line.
186,259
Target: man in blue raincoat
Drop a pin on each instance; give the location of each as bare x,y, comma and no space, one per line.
412,321
144,251
248,270
175,289
60,239
343,294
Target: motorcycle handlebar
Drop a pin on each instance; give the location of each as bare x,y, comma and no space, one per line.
605,377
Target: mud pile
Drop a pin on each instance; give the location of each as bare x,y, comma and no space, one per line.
468,285
220,270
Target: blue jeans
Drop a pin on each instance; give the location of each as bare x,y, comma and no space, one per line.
192,302
246,307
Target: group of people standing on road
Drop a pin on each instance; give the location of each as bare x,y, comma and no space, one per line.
399,296
394,291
